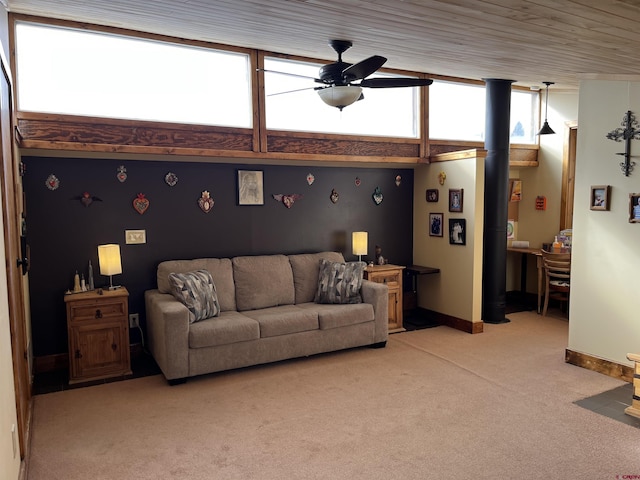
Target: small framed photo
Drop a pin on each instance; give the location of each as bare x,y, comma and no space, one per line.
600,197
634,208
435,224
455,200
250,187
457,231
432,195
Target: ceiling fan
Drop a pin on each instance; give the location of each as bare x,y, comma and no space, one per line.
342,82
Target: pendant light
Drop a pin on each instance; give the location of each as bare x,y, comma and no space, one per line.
546,129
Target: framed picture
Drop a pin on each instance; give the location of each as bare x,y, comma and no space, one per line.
432,195
457,231
435,224
455,200
600,197
250,187
634,208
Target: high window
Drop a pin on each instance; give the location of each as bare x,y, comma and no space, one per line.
292,103
457,112
67,71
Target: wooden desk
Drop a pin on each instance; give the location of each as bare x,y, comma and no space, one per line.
413,271
523,269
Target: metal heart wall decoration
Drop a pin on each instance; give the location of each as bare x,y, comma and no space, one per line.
205,202
334,196
122,174
87,199
287,200
377,196
52,182
140,203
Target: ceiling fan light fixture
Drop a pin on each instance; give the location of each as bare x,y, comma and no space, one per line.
546,129
340,96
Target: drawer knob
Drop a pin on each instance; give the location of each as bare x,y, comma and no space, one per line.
78,354
114,347
98,313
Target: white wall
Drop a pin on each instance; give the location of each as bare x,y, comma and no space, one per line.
457,289
604,320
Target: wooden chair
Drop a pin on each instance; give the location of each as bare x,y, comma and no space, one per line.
557,268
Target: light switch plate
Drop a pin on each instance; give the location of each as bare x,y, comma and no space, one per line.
135,236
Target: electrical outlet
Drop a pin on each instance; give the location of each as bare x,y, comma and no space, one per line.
134,320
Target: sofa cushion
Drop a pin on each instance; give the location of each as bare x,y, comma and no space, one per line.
197,292
262,281
229,327
336,316
219,268
340,282
284,320
305,268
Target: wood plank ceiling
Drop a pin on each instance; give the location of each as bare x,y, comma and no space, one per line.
529,41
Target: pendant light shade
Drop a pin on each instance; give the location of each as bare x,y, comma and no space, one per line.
546,129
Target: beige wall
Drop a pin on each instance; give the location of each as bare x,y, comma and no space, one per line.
536,226
457,289
604,320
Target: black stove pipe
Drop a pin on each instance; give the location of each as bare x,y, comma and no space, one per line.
496,198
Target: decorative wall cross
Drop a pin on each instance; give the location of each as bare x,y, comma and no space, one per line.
631,131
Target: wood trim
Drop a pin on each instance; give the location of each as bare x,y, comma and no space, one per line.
568,174
455,322
600,365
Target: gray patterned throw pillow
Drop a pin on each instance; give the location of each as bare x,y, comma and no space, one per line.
340,282
197,292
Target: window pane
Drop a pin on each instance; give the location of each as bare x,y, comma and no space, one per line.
383,111
457,112
76,72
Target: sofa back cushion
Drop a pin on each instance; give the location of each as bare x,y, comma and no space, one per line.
305,269
262,281
220,269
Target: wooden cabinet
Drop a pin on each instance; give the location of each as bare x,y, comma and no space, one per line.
390,275
98,329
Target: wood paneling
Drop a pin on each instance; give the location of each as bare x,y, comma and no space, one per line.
527,41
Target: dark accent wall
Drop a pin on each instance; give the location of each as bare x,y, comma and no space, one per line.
63,234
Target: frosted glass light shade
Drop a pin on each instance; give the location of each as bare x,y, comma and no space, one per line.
359,243
340,97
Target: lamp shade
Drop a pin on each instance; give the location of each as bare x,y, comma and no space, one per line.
359,243
109,259
340,96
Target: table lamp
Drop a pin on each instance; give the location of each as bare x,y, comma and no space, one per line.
109,260
359,244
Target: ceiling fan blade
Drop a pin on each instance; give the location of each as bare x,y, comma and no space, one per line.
395,82
292,91
289,74
363,69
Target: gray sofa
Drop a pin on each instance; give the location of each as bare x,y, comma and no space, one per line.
267,313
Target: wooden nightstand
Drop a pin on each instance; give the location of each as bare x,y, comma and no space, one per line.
98,329
391,275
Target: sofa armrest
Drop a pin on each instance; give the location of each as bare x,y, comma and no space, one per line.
377,294
168,333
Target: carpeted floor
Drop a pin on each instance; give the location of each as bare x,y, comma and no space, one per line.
437,403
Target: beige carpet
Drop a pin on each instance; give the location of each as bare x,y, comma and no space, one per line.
435,404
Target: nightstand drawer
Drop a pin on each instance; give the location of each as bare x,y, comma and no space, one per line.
391,279
95,311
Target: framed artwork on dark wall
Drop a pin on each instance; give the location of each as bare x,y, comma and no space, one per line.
455,199
250,187
435,224
432,195
600,197
634,208
457,231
